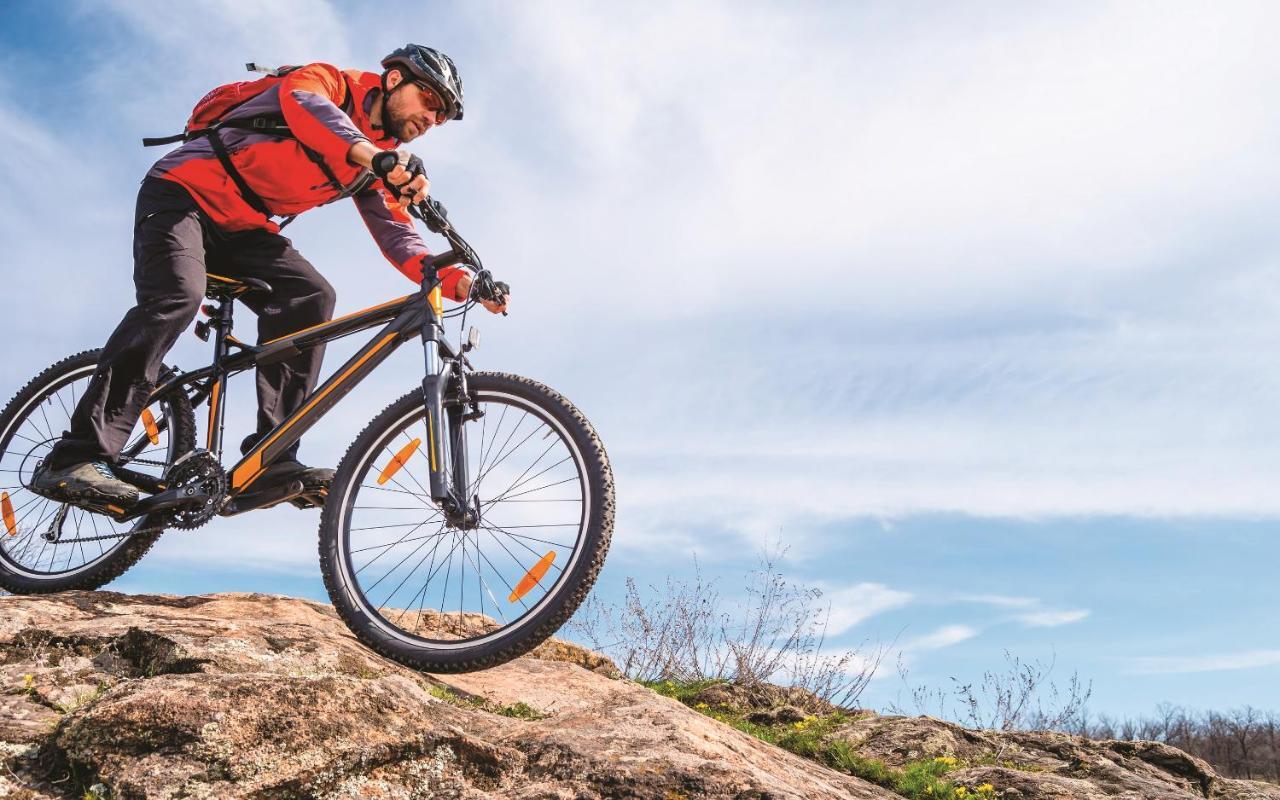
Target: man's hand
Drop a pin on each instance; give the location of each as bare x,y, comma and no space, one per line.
402,173
462,291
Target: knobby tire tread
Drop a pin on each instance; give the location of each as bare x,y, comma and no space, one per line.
564,605
135,547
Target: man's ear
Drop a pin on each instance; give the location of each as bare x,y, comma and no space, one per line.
393,78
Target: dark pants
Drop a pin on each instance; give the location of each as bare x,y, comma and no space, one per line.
173,243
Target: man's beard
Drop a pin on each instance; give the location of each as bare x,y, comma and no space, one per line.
395,124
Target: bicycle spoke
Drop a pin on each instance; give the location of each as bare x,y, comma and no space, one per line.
519,540
481,473
539,474
531,491
484,455
406,535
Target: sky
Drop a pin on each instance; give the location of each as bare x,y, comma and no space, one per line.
969,306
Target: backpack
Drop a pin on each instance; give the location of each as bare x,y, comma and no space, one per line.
208,117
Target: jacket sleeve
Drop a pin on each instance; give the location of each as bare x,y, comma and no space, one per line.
310,99
393,229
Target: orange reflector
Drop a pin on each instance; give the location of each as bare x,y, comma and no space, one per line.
532,577
149,422
6,506
398,460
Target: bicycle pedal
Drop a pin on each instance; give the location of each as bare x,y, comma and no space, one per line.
310,498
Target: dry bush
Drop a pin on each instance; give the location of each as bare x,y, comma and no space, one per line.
1019,697
684,631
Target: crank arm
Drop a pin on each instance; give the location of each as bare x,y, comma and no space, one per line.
164,501
147,483
267,499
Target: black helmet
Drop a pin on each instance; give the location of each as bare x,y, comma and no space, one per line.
433,68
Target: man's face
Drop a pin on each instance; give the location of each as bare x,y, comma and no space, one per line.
412,110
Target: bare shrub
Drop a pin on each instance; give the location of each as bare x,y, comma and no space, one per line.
1019,697
683,630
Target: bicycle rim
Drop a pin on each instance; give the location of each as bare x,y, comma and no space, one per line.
430,585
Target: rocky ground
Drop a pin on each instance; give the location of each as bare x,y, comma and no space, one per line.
251,696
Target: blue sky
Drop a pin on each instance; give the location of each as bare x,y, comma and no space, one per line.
972,305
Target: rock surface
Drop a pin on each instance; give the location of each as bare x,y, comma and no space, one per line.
1029,766
253,696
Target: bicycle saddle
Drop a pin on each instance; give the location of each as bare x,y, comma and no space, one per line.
219,287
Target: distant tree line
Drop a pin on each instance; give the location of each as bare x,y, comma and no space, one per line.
1240,743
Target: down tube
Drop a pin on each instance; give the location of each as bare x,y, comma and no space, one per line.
348,376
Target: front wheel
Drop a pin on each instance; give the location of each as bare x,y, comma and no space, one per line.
451,596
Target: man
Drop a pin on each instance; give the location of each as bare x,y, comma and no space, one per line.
208,204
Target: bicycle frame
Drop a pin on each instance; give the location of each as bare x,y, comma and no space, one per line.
418,314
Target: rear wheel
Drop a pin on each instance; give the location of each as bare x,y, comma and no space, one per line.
443,596
47,546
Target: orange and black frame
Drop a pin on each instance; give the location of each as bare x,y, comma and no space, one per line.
416,315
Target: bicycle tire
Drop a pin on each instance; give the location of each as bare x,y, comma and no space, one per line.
112,563
551,612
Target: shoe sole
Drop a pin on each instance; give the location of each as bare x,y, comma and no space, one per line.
88,497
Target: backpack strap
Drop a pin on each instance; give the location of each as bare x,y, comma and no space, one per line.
154,141
220,150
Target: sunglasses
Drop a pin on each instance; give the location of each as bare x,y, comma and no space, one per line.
434,104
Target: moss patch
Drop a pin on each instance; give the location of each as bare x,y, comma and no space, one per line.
812,737
519,710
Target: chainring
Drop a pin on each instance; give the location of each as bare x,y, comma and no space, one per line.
199,470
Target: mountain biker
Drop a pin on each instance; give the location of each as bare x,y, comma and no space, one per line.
344,129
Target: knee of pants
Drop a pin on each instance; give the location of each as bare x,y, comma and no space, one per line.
325,299
178,307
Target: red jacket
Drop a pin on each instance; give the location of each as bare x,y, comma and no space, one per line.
280,172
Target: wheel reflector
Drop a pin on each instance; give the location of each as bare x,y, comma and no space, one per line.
149,422
532,577
398,460
6,505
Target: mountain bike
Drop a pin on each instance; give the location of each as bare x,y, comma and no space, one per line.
464,525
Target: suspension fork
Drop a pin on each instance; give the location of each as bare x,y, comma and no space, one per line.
446,441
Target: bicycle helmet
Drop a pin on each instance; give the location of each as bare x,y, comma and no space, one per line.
429,66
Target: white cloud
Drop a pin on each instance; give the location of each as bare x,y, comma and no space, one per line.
1000,601
945,636
799,265
1157,665
855,604
1051,619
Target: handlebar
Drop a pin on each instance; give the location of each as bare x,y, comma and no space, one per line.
433,214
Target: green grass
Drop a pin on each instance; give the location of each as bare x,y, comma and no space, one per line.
519,710
812,738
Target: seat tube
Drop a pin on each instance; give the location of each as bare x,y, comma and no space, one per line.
218,383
